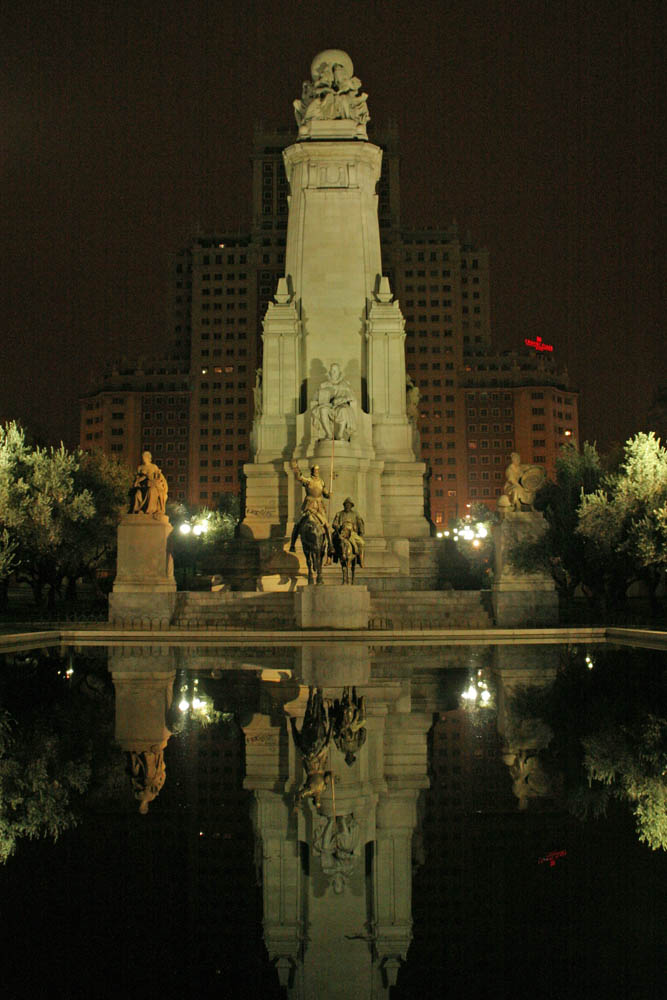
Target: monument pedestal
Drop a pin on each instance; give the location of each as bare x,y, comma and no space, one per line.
333,607
521,600
144,591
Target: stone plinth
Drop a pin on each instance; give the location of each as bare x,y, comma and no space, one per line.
332,607
325,665
144,590
521,599
142,704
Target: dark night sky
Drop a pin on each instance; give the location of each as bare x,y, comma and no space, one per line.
536,123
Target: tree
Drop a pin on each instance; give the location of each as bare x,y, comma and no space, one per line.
55,747
58,510
626,518
608,715
569,557
632,762
92,543
207,532
36,785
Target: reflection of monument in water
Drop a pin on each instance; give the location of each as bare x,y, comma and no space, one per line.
336,873
337,881
334,384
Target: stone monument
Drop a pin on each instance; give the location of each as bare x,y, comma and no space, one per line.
144,591
521,599
333,388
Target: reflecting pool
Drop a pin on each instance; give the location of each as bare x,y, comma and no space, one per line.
320,819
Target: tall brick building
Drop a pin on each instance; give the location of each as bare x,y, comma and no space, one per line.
194,408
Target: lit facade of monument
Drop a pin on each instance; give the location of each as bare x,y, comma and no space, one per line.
333,388
194,407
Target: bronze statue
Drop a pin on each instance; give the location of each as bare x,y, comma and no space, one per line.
348,539
313,525
313,744
349,720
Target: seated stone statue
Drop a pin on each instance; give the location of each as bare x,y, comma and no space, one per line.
147,771
333,413
337,841
149,490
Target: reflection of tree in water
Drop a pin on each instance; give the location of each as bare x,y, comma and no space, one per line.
56,758
608,714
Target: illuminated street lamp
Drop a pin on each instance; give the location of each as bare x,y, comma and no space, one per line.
477,689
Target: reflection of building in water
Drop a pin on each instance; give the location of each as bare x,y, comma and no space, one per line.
477,850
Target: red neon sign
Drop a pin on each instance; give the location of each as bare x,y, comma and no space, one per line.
551,858
539,344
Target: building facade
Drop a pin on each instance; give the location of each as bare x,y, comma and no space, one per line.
194,409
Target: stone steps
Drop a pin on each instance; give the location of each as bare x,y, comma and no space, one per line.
235,610
425,609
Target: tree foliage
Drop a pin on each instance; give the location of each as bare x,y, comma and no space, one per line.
56,729
569,557
204,543
605,529
58,510
608,717
632,762
626,518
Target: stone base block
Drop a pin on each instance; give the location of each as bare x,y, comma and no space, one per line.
332,607
142,609
144,591
526,606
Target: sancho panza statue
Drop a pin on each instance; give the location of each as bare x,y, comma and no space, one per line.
333,413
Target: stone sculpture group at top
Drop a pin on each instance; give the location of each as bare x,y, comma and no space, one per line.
333,93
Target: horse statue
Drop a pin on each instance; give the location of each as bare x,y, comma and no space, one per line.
314,544
345,553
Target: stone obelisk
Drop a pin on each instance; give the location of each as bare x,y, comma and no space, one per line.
334,387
